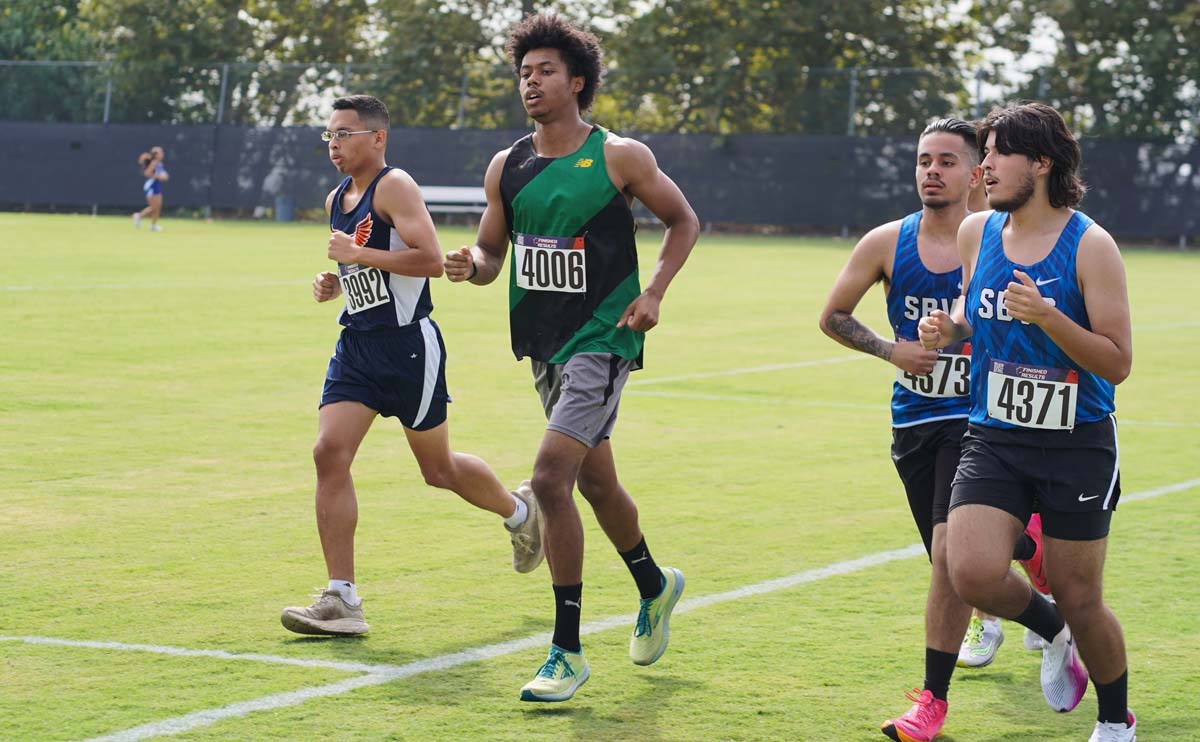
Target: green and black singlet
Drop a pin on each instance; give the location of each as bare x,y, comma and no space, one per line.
574,268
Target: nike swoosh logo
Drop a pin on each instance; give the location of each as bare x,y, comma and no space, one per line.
640,559
1085,499
1040,282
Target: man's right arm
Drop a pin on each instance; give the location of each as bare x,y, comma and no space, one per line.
481,263
868,266
326,286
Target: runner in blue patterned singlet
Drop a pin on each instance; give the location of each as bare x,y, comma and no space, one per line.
155,174
917,260
561,196
1047,312
390,360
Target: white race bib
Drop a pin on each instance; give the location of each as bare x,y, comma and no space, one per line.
550,263
1032,396
951,376
364,287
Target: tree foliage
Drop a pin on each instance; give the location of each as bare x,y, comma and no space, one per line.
718,66
1121,68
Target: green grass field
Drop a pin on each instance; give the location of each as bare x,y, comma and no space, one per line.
157,417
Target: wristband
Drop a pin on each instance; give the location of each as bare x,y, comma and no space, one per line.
474,270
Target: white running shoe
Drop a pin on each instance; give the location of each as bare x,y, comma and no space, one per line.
979,646
329,616
137,219
1109,732
527,537
1064,678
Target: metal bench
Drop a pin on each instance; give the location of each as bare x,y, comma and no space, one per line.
454,199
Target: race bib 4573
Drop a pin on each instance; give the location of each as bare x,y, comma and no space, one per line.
951,375
1032,396
550,263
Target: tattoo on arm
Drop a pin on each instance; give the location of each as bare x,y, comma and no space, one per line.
859,335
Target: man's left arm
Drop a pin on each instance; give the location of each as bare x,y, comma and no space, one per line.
1107,348
634,165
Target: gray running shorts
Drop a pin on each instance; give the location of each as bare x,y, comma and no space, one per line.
581,396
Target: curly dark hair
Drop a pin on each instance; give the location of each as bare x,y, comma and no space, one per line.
1036,130
580,49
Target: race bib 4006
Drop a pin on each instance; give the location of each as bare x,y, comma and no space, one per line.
364,287
1032,396
550,263
951,376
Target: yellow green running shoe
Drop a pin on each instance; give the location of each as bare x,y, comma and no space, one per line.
651,632
559,677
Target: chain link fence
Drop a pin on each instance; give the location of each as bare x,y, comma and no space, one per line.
848,102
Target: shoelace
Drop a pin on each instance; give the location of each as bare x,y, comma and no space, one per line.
550,667
974,631
522,541
643,620
923,712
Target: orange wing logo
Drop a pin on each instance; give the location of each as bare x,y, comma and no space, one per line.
362,232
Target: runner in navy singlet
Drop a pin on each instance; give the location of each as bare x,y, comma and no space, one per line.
390,360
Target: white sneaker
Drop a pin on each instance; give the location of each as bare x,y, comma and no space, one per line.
1064,679
331,615
1109,732
1032,641
979,646
137,219
155,228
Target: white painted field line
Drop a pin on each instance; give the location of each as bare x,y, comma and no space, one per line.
214,653
156,285
775,401
1165,326
762,400
281,700
747,370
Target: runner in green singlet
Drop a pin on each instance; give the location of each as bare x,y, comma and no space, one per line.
562,196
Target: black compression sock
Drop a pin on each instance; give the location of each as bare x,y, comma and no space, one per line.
567,600
645,571
1041,616
1024,548
939,666
1114,700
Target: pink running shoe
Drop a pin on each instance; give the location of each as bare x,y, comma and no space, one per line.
921,723
1033,566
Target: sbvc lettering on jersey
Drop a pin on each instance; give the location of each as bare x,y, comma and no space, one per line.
991,304
916,307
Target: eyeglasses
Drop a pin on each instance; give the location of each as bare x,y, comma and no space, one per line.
328,136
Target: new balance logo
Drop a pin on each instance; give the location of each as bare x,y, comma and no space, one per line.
1085,498
1040,282
583,162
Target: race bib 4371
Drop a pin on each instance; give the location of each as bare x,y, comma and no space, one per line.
1032,396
